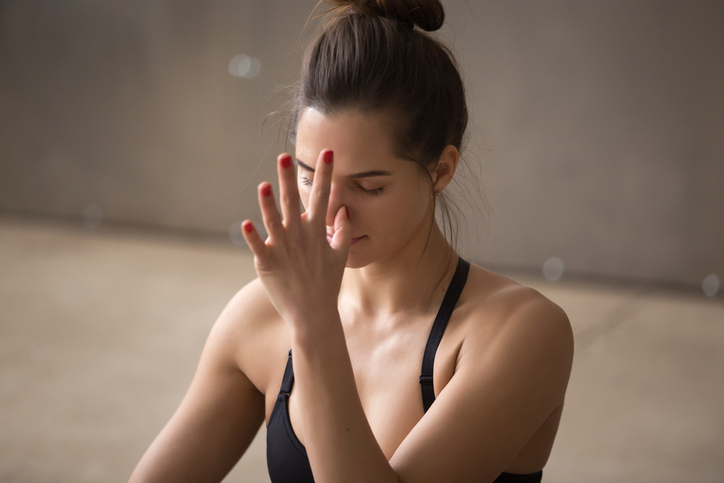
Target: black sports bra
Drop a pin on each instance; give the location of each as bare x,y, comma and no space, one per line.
286,456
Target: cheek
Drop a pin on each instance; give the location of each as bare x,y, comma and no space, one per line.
396,215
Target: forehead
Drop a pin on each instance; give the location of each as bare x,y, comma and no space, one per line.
354,136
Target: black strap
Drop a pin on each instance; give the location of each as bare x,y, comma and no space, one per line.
288,379
438,328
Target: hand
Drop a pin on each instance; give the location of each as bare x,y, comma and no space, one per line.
300,269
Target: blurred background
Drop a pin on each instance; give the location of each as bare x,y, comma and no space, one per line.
131,144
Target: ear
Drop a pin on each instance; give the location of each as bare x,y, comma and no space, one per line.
446,166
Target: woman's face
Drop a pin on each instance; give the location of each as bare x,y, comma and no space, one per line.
389,200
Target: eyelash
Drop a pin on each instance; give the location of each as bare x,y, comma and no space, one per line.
308,182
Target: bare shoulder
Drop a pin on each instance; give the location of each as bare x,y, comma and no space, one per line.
512,360
511,324
250,329
510,306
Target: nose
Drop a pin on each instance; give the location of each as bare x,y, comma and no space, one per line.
336,201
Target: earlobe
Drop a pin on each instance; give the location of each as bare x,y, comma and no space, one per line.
446,166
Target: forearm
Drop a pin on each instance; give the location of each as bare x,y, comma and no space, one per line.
338,437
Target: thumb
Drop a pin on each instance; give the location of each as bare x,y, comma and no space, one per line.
342,231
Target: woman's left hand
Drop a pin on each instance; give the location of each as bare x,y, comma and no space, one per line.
300,269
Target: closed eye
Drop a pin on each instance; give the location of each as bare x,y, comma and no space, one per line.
373,192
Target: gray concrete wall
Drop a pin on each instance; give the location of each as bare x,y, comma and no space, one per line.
128,106
600,127
596,127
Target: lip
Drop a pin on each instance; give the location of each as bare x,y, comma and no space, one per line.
354,240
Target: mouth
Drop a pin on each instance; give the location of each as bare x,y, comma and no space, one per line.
354,240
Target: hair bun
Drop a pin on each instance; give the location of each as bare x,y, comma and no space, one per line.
429,15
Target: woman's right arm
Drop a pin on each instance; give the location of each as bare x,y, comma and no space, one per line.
217,419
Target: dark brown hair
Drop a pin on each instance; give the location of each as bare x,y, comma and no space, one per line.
376,56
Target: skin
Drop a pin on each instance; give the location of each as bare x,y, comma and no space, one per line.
352,285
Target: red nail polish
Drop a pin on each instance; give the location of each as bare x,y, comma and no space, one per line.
247,226
266,190
286,161
328,156
347,212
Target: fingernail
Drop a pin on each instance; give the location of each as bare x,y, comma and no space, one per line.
347,209
328,156
286,161
247,226
266,190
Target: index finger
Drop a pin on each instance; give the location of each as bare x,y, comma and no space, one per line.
319,196
288,192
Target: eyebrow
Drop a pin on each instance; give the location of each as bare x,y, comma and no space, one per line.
364,174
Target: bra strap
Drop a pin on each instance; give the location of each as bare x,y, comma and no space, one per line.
288,380
438,328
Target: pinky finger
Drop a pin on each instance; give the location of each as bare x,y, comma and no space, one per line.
257,245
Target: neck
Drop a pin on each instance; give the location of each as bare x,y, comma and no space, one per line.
408,282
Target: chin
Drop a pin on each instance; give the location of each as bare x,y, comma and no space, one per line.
355,259
363,256
353,262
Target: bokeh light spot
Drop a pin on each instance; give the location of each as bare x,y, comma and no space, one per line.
244,66
235,235
710,285
553,269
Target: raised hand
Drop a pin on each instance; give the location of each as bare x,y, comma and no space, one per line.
300,269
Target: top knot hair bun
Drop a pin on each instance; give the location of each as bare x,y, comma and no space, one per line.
369,57
428,15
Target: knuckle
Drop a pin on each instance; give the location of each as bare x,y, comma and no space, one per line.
323,191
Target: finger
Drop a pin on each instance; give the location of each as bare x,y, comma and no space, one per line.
342,237
319,196
256,244
288,192
269,213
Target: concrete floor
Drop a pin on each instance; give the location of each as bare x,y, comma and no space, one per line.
101,330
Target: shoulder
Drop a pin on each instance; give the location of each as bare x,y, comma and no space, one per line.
511,369
249,330
509,325
508,306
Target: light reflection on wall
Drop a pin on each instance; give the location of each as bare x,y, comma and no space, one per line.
235,235
553,269
244,66
710,285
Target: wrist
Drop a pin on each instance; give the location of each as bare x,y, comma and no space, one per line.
315,329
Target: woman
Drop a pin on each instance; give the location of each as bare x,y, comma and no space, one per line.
362,286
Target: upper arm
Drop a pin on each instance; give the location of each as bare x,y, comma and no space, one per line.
217,419
502,391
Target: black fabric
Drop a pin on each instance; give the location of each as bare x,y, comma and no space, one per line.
286,456
519,478
438,328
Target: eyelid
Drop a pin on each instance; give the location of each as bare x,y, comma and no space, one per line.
303,167
372,191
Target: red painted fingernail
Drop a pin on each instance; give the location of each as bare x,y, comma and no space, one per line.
328,156
247,226
266,190
286,161
347,212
